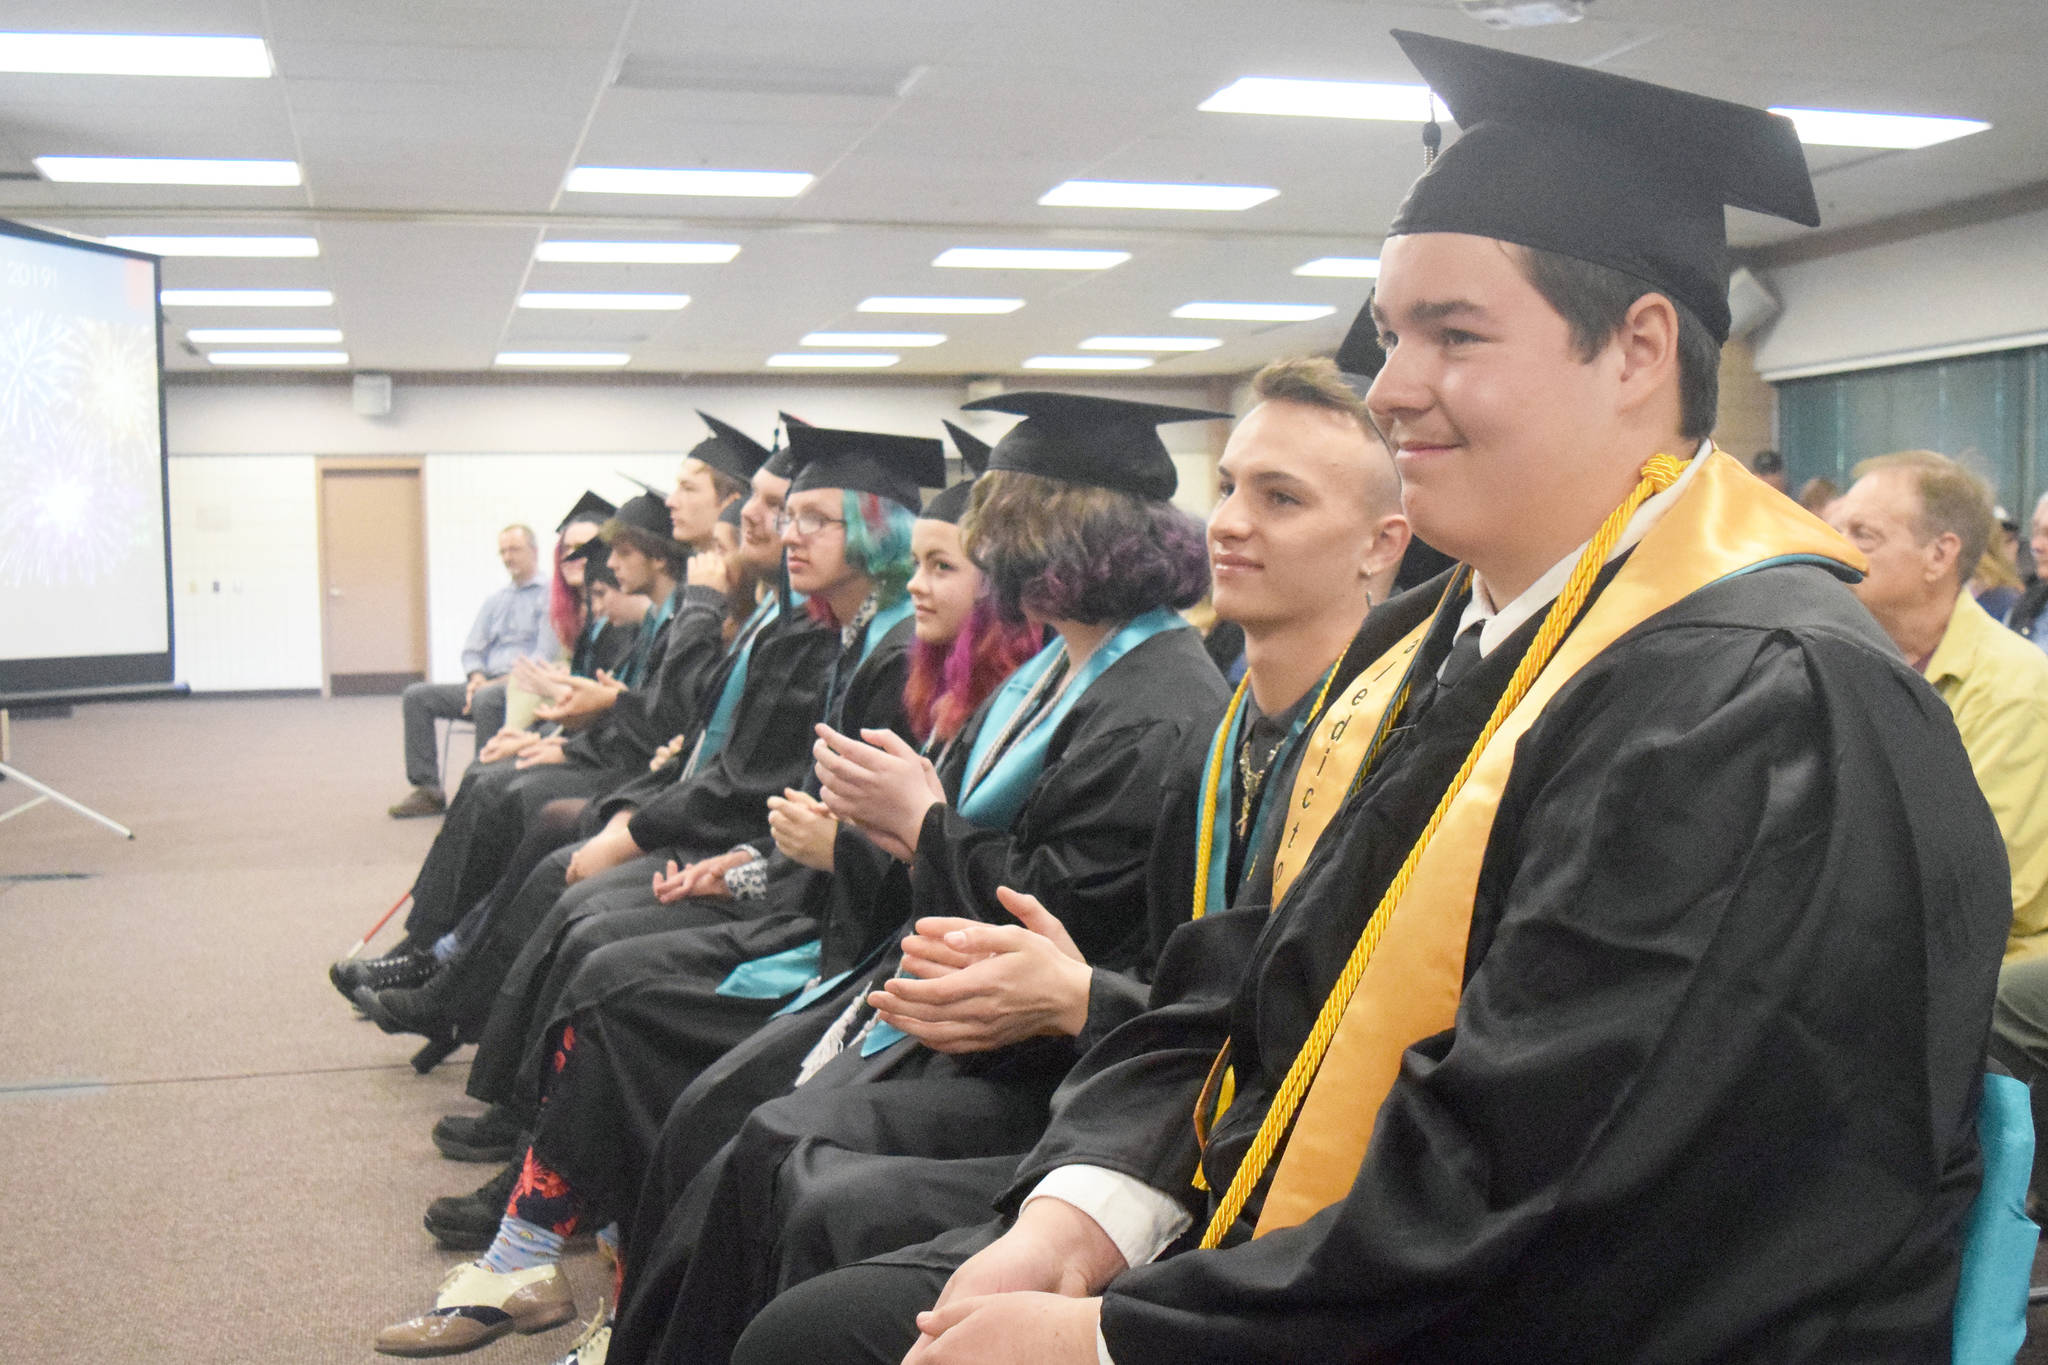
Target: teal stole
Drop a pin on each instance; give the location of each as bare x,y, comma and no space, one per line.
795,969
1219,793
1003,765
712,738
635,667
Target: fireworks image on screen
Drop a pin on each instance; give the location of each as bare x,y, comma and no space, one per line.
79,454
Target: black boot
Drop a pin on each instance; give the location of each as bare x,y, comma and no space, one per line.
494,1135
468,1222
393,971
417,1009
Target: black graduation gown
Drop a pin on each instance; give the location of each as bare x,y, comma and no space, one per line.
497,801
1107,829
1710,1092
645,1012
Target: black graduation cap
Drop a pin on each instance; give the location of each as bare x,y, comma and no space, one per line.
1104,442
780,462
591,508
728,449
892,467
951,504
1602,168
647,514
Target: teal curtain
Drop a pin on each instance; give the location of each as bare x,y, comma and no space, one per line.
1979,409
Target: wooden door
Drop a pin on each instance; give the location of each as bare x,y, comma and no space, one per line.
373,575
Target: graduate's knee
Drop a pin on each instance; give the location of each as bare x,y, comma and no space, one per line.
860,1315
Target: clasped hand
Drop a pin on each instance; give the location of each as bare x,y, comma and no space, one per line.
705,877
1027,1298
879,783
972,987
804,830
586,699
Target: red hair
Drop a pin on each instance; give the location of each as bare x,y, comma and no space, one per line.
565,604
948,681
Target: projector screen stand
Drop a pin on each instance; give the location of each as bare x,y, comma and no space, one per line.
49,793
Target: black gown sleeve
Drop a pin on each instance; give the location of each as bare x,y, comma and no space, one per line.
1709,1087
724,802
1080,843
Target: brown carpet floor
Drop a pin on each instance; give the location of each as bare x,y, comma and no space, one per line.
208,1157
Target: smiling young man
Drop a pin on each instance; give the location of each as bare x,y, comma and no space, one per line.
1622,999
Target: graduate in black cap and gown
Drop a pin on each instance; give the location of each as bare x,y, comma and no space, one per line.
1631,1004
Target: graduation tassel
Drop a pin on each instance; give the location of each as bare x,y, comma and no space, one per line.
1658,474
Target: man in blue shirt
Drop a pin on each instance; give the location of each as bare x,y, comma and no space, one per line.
508,625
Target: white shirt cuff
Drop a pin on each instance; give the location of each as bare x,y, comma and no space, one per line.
1102,1355
1139,1219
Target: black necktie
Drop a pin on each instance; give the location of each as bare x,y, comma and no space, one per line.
1464,656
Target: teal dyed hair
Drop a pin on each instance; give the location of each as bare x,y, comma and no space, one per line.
878,541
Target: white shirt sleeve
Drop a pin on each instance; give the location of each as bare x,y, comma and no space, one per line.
1141,1221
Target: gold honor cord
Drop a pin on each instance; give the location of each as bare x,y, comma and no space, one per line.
1658,474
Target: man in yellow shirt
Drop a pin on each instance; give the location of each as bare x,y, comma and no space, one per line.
1923,521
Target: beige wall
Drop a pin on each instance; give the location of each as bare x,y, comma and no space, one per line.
1749,407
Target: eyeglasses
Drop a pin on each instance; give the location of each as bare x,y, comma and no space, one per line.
807,524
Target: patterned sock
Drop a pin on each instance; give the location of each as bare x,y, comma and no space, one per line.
521,1245
444,947
542,1213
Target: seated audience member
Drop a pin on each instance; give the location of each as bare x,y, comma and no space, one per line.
846,535
1920,519
869,1155
508,626
1635,924
1815,495
2029,615
1996,584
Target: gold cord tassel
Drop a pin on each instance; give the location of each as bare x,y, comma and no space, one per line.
1658,474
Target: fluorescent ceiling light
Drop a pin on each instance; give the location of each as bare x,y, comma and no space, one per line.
645,303
891,303
824,360
133,54
873,339
1088,362
1151,343
251,336
278,357
1908,132
247,298
735,184
1255,312
638,253
1342,267
1126,194
1325,99
220,246
165,170
591,360
1027,258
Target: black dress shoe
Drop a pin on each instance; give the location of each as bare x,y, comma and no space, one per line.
408,1009
468,1222
393,971
494,1135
